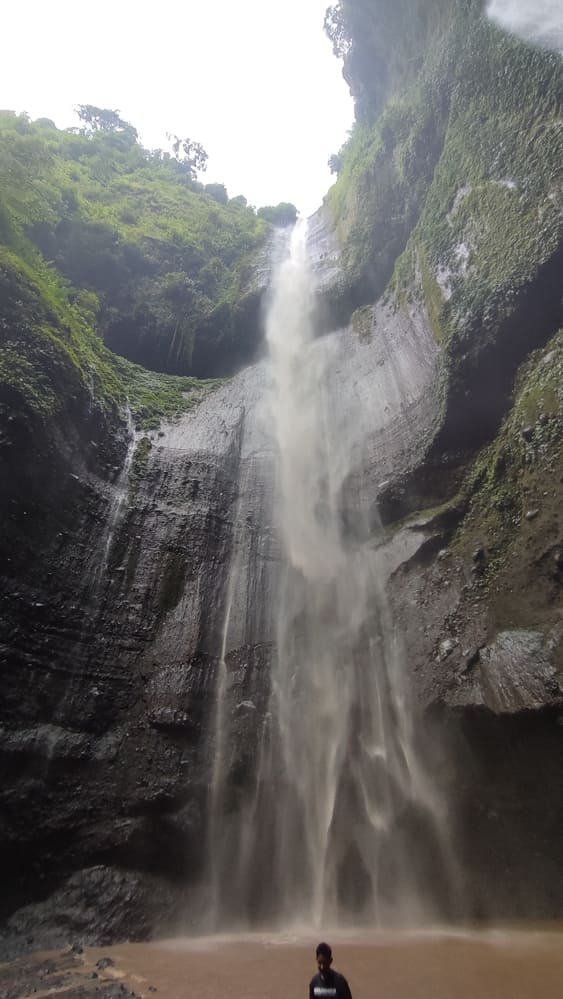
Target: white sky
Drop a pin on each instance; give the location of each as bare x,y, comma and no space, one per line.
535,20
255,82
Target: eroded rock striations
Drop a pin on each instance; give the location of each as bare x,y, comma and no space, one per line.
456,166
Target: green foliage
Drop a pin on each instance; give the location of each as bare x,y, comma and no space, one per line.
462,165
520,470
363,321
103,120
218,192
383,43
335,163
280,215
132,229
153,396
384,172
189,154
492,216
51,360
53,364
337,30
140,458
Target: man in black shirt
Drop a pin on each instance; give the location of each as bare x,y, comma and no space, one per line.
328,984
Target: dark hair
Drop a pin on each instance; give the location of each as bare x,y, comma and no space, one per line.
324,950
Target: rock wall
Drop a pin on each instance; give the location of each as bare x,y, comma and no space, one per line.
115,635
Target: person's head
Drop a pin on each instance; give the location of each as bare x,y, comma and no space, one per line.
324,958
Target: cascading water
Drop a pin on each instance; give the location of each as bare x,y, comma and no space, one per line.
114,515
339,822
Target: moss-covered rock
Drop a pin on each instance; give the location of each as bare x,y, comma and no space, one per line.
456,189
514,496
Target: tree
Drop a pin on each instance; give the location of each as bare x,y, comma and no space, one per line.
335,163
337,30
104,120
283,214
191,155
218,192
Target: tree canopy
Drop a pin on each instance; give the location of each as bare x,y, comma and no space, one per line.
103,120
156,260
280,215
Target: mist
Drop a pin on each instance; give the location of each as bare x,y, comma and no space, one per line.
538,21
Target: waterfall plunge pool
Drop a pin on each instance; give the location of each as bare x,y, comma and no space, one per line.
497,963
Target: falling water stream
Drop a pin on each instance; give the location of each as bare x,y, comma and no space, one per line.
339,823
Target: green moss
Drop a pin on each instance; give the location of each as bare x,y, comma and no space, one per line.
140,458
50,357
521,469
459,174
491,219
363,321
433,297
154,396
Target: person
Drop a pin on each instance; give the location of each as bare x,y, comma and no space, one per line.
328,984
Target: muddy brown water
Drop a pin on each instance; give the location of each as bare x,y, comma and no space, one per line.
496,964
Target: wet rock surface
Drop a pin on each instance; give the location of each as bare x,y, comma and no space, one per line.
68,973
117,615
94,906
115,631
478,602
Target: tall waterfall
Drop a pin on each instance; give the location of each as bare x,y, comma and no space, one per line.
339,823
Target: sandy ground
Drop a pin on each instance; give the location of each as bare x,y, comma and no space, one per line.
498,964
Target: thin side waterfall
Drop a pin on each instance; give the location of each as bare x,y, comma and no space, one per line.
114,515
217,840
339,824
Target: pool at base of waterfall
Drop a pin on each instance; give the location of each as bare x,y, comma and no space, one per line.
496,963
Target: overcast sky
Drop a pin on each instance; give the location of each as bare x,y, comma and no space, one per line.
255,82
538,21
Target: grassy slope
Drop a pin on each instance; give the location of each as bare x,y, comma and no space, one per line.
129,243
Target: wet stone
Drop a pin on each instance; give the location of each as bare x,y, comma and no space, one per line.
447,647
105,962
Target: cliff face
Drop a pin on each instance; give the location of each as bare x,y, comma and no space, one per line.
136,560
115,636
454,192
451,190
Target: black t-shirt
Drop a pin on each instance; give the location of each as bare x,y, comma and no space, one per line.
332,986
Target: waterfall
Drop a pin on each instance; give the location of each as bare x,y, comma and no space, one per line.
537,21
116,508
339,823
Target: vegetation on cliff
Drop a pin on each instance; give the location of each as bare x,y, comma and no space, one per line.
105,244
452,185
449,200
512,495
157,260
